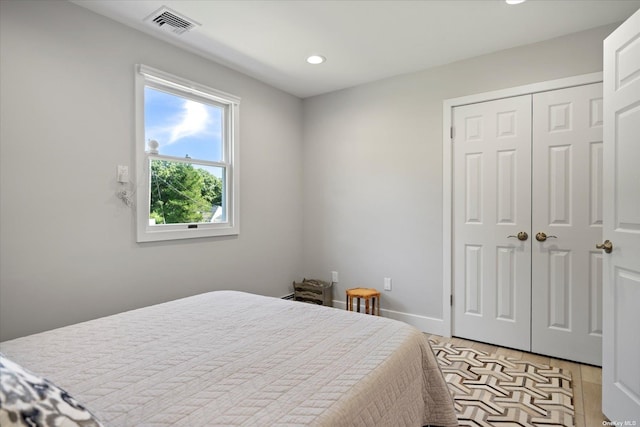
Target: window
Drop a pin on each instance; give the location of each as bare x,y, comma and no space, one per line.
186,158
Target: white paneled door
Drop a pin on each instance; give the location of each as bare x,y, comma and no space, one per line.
492,208
528,213
621,296
566,211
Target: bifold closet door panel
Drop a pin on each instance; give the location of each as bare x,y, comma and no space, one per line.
567,208
492,205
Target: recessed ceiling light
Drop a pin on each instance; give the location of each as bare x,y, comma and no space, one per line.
316,59
515,1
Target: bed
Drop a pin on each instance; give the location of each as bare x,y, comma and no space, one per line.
237,359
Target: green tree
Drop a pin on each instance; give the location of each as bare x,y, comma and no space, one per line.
211,188
180,193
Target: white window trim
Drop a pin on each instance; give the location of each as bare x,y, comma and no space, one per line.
145,75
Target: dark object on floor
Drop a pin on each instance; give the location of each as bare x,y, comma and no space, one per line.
314,292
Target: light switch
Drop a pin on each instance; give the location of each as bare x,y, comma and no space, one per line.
122,175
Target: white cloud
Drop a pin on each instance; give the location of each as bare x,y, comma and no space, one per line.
194,120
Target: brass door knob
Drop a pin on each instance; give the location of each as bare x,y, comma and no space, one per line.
606,245
541,237
522,236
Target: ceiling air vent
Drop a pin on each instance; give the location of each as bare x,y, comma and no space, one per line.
169,20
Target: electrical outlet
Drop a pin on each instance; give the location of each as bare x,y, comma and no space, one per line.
387,283
334,276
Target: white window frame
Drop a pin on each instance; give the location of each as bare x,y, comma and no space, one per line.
147,76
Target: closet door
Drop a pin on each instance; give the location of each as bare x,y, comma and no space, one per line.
492,205
567,208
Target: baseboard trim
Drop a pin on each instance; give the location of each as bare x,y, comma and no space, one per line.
423,323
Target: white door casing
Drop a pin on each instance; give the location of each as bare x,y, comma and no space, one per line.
445,327
566,268
497,195
621,225
492,201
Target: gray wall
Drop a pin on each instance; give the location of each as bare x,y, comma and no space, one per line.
373,169
67,245
362,195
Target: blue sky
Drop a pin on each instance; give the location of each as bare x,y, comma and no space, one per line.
183,127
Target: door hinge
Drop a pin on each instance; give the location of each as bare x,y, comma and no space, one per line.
451,300
451,133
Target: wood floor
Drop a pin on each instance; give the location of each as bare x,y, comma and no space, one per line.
586,379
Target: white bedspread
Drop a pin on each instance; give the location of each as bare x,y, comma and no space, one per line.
236,359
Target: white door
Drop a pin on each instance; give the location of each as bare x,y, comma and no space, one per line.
621,286
566,288
492,204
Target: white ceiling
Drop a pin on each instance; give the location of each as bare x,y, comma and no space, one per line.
362,40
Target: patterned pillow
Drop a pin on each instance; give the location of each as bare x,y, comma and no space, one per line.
29,400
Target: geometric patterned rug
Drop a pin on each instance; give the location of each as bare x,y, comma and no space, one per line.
493,390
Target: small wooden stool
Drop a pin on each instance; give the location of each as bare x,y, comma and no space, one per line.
367,294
